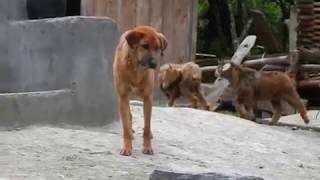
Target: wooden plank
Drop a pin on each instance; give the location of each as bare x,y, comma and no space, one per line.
100,8
107,8
86,7
143,14
112,8
156,14
193,13
127,19
167,27
181,30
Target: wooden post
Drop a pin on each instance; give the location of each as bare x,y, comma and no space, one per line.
293,29
293,63
233,27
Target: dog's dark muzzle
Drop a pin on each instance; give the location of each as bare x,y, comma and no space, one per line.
150,63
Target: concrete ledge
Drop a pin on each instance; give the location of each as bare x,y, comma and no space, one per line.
21,109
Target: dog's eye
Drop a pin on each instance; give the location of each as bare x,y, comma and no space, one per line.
145,46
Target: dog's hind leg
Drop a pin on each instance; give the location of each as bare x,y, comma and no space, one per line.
189,95
125,116
294,100
242,111
276,111
131,123
203,102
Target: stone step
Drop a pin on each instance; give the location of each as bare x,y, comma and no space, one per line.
41,107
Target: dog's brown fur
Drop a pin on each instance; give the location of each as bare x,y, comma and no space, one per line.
137,47
251,85
182,79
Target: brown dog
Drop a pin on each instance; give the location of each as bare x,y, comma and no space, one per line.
133,70
182,79
251,85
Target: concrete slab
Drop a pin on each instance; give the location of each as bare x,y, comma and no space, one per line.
295,120
185,141
43,107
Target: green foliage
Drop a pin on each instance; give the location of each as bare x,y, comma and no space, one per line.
203,8
231,113
276,12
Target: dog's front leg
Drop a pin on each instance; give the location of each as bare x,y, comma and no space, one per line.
125,116
147,134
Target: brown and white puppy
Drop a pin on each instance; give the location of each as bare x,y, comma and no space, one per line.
182,80
136,59
251,86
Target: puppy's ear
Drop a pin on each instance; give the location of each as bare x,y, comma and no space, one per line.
163,42
133,37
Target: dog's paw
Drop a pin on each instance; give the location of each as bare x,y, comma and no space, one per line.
126,152
271,123
147,150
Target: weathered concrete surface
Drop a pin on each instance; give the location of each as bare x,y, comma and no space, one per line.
9,10
13,10
45,107
185,141
296,120
72,52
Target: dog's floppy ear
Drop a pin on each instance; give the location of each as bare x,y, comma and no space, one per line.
133,37
163,42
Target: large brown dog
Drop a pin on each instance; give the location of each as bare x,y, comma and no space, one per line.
251,85
133,69
182,79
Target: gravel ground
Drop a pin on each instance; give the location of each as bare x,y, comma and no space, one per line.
185,140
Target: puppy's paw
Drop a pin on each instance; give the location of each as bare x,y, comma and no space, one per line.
126,152
147,150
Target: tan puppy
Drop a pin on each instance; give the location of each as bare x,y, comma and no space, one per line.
133,69
251,86
182,80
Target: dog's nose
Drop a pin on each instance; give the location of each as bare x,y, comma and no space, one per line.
152,62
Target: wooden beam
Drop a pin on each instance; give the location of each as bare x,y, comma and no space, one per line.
208,68
269,60
310,67
308,55
309,84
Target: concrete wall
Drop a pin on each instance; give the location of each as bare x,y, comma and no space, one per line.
73,53
65,53
9,10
